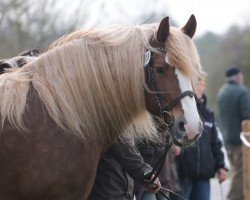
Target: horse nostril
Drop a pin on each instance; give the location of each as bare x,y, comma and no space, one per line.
181,126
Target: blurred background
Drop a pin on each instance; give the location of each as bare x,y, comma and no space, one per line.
222,38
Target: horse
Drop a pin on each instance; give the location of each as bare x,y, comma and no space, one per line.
20,60
62,110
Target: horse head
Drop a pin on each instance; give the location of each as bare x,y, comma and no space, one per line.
172,67
17,61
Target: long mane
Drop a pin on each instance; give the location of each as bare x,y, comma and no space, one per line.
92,82
92,86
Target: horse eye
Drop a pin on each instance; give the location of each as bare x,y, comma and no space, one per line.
160,70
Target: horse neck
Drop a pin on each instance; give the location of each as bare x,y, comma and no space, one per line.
105,97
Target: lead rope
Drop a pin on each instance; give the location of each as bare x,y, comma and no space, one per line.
166,107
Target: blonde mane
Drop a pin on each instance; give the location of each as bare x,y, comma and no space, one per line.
181,50
92,82
183,54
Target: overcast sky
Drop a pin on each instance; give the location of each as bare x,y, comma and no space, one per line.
211,15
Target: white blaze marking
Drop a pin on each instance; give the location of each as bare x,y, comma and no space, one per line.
188,104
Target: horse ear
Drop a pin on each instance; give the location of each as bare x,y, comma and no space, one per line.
3,66
163,30
190,27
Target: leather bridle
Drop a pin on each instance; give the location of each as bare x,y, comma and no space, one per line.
164,109
162,104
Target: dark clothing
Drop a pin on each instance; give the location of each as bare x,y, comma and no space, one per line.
112,182
151,153
168,175
198,163
234,106
205,157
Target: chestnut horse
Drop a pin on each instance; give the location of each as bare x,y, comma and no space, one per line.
62,110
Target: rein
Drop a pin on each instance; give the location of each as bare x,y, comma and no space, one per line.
158,166
164,108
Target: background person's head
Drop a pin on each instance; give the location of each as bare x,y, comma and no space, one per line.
234,74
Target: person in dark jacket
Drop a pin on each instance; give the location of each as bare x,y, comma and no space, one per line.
151,153
117,165
234,107
200,162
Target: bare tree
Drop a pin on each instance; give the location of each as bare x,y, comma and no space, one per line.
27,24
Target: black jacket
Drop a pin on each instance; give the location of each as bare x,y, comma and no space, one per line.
205,157
152,153
112,181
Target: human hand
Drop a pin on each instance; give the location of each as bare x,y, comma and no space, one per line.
155,186
177,150
222,174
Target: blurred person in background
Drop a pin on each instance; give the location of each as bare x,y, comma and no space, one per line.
234,107
200,162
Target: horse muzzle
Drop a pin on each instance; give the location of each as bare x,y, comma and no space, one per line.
184,135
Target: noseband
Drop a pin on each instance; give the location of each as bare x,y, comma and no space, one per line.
162,104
